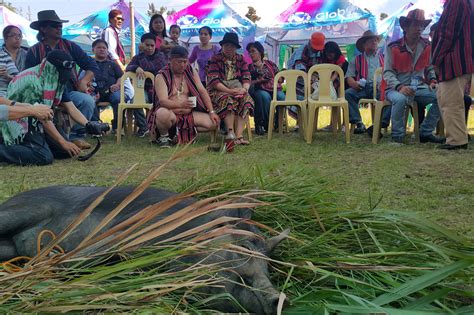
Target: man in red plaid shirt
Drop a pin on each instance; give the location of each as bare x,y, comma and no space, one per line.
453,56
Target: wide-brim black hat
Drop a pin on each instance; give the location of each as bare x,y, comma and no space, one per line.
63,63
46,16
230,38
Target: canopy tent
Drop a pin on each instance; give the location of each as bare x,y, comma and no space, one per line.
339,20
216,14
390,27
89,29
8,17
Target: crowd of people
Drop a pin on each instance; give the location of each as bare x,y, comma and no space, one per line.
48,106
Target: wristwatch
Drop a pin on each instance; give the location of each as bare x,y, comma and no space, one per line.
212,112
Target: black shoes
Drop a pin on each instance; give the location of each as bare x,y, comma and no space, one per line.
432,139
259,130
360,129
451,147
370,132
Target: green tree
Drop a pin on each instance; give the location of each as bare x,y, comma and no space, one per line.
383,16
252,14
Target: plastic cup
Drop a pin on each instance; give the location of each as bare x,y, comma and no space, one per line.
193,99
362,82
229,145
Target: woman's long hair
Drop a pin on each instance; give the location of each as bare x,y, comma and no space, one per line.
331,47
150,26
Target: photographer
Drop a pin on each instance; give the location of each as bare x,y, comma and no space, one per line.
24,140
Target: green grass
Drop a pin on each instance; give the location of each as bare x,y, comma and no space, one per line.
415,178
360,215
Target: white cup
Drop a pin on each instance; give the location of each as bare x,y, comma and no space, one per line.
362,82
193,99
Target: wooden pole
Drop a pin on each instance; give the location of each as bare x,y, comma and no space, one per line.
132,29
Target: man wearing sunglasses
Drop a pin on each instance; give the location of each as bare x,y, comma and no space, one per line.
49,27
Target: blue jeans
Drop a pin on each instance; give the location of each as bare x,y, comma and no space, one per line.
33,151
353,97
262,100
423,97
86,105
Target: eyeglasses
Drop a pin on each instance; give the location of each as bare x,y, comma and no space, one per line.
67,64
118,18
15,36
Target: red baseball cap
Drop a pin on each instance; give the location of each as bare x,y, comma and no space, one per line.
317,40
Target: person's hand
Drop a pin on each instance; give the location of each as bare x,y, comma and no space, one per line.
83,86
355,85
187,104
70,148
3,71
114,87
407,91
140,73
214,118
42,112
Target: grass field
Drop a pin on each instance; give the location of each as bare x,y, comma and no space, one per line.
335,191
416,177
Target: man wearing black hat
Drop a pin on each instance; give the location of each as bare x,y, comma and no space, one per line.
49,27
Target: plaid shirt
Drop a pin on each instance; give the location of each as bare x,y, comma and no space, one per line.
453,40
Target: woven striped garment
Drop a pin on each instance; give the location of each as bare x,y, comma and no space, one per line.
36,85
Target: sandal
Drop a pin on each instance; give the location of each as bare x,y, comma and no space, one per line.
242,141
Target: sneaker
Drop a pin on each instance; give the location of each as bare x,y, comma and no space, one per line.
142,133
398,141
370,132
164,142
360,129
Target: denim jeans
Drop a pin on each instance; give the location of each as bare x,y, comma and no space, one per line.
423,97
262,101
86,105
33,151
353,97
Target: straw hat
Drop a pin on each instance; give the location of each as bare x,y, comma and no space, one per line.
417,15
365,37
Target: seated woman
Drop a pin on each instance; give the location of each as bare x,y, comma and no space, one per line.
228,80
263,72
150,59
333,55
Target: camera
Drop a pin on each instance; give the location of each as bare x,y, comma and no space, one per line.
97,128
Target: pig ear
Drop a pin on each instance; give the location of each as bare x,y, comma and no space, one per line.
272,243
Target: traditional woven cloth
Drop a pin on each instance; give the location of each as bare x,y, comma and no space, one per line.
37,85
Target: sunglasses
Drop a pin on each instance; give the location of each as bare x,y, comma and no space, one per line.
55,25
119,18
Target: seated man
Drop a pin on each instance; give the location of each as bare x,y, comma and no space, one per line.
24,142
49,27
407,61
360,76
108,86
174,110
